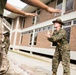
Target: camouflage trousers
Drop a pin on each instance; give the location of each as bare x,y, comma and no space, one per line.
6,48
63,55
4,63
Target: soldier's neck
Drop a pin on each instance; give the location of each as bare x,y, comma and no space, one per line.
58,28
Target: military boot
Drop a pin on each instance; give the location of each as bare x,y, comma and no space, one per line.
54,74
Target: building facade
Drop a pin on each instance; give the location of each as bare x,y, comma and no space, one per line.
29,33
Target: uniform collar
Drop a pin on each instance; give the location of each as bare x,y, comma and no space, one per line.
59,30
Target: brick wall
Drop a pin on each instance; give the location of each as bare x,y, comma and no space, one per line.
25,41
12,39
73,38
42,41
28,22
18,39
14,23
20,22
44,15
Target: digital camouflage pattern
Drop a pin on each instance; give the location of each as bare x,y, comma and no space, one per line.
6,43
4,63
62,51
2,6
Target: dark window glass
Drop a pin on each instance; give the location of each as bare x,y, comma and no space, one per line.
35,38
59,4
21,38
23,22
74,22
33,20
68,33
69,5
31,39
38,16
67,23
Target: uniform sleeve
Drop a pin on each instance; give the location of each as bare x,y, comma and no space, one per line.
3,41
8,41
58,36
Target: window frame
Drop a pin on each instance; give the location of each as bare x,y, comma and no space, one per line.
70,9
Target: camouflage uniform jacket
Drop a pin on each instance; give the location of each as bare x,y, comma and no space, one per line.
6,41
60,38
2,6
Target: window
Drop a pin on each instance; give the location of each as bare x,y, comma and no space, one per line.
68,33
67,23
36,17
35,38
50,27
38,12
21,38
33,20
74,22
36,30
31,38
30,32
69,5
44,28
59,5
23,23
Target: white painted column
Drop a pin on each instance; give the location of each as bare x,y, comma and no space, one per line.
33,37
20,38
11,31
20,32
15,36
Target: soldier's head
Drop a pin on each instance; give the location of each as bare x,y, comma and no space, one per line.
58,23
6,34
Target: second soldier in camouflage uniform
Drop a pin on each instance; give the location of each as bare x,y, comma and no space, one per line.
62,51
6,41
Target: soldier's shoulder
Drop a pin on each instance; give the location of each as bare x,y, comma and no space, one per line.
63,30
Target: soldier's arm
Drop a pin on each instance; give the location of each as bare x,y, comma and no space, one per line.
17,11
8,41
58,37
3,41
39,4
51,37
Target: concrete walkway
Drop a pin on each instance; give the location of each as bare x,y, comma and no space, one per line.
28,64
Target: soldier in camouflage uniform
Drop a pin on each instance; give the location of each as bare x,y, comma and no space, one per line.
5,5
6,41
62,51
4,63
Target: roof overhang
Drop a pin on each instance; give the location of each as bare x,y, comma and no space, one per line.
27,8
